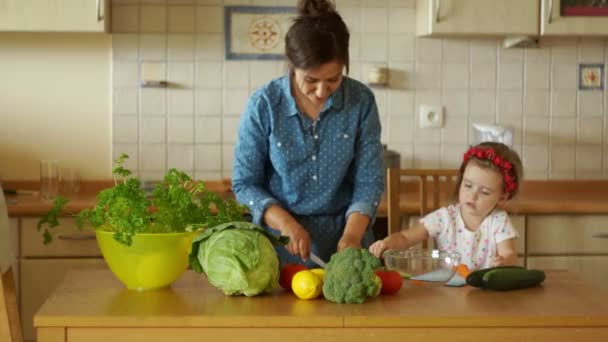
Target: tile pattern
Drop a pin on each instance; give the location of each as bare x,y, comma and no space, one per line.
559,130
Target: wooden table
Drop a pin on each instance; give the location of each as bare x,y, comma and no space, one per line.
92,306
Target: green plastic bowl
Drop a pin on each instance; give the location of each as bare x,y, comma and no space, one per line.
154,260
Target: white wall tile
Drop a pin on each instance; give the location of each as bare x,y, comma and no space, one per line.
236,74
483,103
400,103
451,156
227,159
456,102
591,50
483,76
235,101
181,74
180,130
374,47
563,50
588,158
152,47
538,55
124,129
209,46
153,19
400,130
590,103
510,56
208,75
401,76
401,48
537,75
125,74
428,76
428,50
455,51
455,130
208,130
563,103
181,157
208,102
536,130
124,19
510,103
536,103
352,18
180,102
181,19
455,76
564,76
153,157
230,128
589,131
180,47
153,130
563,158
124,47
427,156
153,102
484,51
261,72
402,20
536,158
563,130
373,20
510,76
131,150
124,101
209,19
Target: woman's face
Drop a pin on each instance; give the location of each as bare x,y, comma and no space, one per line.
317,84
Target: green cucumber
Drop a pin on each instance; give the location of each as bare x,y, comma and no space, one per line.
476,277
511,279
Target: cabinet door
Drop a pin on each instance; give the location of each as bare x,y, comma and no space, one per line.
567,234
477,17
54,15
553,24
39,277
591,268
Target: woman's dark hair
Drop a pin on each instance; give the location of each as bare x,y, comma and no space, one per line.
317,36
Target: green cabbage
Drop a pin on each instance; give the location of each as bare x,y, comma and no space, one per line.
238,258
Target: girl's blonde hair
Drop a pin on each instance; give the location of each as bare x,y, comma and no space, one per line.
498,157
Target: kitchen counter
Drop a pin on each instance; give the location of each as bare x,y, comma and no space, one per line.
565,308
536,197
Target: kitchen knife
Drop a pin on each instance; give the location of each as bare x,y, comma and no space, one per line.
317,260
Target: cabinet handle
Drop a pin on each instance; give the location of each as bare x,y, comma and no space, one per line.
437,8
76,237
550,12
100,15
600,235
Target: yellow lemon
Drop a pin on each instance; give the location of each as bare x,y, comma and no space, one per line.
319,272
306,285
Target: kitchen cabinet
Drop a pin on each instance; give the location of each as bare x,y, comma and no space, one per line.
477,17
43,267
572,242
55,15
553,24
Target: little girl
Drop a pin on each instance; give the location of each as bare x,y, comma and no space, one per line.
476,227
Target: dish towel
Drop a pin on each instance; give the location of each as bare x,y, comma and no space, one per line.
7,255
440,275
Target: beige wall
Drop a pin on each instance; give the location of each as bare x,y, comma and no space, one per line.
55,103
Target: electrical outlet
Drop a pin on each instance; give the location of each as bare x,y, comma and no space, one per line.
430,116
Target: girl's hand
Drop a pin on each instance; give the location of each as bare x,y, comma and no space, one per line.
348,240
378,247
498,261
299,241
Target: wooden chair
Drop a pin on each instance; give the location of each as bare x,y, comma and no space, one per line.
10,325
431,195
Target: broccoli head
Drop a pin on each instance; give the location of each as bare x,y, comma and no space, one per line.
350,276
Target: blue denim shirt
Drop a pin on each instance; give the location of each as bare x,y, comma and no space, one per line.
325,168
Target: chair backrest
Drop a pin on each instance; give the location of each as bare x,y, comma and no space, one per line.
10,325
437,191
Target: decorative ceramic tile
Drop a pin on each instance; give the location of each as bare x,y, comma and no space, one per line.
256,32
590,76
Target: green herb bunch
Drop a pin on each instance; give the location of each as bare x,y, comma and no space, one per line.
177,204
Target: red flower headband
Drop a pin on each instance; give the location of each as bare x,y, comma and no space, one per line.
505,166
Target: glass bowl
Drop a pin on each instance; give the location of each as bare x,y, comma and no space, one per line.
420,267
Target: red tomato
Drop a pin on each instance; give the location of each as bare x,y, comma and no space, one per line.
391,281
287,272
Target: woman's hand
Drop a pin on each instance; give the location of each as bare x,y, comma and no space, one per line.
378,247
299,240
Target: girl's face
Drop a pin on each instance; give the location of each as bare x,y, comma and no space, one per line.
481,189
319,83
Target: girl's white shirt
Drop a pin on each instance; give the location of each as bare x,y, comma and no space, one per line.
477,248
